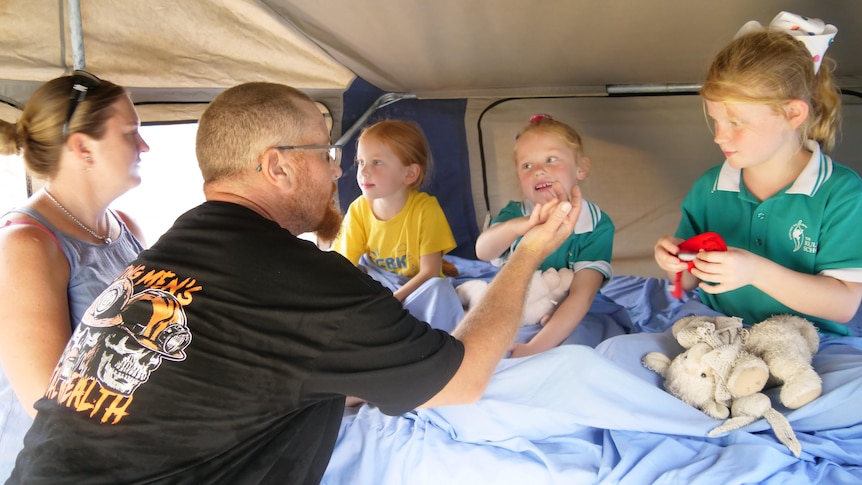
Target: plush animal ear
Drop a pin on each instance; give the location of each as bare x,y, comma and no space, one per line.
722,322
470,292
694,321
566,277
551,278
658,362
692,330
538,288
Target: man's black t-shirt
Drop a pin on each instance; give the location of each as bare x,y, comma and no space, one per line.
223,355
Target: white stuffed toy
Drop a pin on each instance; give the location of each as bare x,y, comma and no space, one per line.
725,366
547,289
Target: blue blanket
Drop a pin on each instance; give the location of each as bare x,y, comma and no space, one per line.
581,415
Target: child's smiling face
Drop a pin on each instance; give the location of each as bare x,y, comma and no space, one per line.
541,159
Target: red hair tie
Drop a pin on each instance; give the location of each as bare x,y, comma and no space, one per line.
688,249
539,117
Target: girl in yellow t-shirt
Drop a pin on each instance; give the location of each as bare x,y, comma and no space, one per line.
393,226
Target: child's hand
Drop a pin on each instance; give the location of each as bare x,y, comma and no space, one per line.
521,350
517,350
666,255
726,270
545,237
558,194
541,212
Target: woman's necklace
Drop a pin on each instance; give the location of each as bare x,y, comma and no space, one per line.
105,239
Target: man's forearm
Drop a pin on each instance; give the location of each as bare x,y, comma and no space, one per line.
489,328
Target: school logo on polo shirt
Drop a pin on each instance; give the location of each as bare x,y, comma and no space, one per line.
800,240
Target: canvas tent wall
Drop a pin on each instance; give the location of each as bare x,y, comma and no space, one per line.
477,69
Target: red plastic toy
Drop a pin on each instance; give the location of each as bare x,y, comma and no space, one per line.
688,249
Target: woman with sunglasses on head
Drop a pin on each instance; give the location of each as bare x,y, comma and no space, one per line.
63,246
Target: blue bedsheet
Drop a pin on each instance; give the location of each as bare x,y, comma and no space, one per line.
581,415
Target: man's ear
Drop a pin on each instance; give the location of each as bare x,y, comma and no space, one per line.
275,167
796,112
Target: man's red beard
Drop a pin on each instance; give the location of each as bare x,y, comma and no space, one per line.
330,224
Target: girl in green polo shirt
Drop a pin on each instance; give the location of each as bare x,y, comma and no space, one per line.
550,162
790,215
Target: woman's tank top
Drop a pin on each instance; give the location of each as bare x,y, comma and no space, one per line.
92,266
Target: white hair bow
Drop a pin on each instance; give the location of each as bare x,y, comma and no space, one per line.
814,33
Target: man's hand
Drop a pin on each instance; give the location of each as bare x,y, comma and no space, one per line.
552,223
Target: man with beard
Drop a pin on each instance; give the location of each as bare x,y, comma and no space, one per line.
276,332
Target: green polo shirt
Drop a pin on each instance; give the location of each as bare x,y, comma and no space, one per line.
812,226
590,245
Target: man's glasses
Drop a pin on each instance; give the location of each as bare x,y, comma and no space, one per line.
333,152
82,83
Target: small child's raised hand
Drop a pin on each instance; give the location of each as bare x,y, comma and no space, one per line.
540,214
558,193
547,236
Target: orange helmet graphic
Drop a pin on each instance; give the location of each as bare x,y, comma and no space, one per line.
154,318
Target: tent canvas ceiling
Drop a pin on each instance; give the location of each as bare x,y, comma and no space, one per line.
189,50
458,48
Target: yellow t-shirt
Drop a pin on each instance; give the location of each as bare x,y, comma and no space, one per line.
397,244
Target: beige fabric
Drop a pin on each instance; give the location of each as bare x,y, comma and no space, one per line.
190,47
9,113
457,48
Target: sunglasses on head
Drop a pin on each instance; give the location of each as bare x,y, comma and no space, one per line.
82,83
